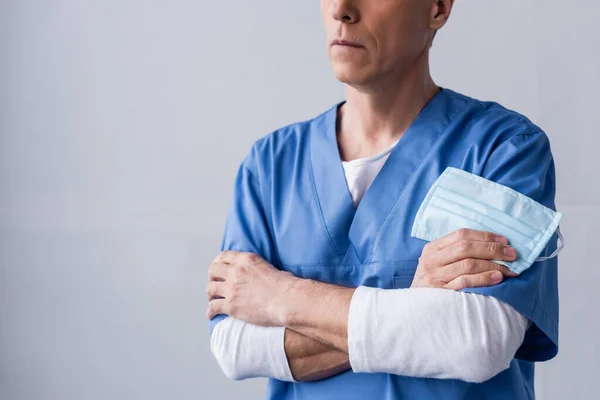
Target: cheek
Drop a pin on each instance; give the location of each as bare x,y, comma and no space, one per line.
402,40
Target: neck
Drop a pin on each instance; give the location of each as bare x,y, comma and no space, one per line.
377,114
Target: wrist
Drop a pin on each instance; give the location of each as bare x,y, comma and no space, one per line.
312,303
294,297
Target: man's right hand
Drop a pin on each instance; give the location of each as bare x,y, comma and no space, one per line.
462,260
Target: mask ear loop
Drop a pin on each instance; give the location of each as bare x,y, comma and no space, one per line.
559,248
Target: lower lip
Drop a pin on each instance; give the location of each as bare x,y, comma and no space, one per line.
347,47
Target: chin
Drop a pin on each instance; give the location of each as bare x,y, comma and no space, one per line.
350,74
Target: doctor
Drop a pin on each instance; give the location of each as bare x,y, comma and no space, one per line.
320,286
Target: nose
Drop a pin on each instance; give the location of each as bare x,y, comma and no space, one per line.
345,11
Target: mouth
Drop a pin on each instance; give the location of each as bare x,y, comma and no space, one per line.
346,43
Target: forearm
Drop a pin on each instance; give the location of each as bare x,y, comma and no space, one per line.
245,351
310,360
319,311
430,333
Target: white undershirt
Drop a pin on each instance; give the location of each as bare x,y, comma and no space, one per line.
429,333
361,173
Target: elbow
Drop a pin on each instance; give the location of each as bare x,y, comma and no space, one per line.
233,373
226,361
230,370
481,375
481,364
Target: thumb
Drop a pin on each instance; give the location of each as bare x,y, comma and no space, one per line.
484,279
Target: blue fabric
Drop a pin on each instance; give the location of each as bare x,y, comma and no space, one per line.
460,199
292,206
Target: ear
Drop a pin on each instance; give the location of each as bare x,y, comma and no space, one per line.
440,12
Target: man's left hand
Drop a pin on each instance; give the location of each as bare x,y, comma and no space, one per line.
247,287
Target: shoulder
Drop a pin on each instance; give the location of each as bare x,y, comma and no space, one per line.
504,146
492,120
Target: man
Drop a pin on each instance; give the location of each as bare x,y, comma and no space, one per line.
321,287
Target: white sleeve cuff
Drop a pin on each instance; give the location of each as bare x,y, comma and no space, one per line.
281,368
358,327
247,351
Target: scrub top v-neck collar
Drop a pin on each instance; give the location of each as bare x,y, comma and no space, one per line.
354,231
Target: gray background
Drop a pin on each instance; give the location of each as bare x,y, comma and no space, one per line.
122,125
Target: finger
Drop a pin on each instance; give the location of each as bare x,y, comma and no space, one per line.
484,279
215,307
467,234
227,257
215,290
218,271
464,249
506,271
473,266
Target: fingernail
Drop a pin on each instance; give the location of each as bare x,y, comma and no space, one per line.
510,252
502,240
496,277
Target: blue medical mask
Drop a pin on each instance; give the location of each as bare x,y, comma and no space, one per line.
459,199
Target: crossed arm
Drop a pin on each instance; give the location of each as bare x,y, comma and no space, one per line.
325,328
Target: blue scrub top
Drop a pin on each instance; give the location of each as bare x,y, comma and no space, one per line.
292,206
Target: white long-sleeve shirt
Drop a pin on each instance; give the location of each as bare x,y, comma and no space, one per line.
429,333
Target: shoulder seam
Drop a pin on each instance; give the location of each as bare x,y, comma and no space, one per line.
538,132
